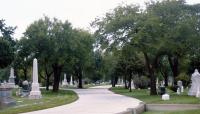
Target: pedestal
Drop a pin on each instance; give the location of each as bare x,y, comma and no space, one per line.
35,91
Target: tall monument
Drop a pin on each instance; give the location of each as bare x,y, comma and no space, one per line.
64,83
194,89
71,81
35,90
11,80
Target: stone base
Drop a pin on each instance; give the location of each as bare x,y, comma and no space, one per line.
192,93
12,85
35,95
35,91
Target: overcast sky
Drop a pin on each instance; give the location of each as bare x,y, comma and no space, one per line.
80,13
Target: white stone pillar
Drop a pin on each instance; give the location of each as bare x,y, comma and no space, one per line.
71,81
11,80
35,90
64,81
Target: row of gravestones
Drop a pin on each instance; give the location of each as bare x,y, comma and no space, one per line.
65,83
194,90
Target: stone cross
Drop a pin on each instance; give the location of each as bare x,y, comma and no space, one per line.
35,90
195,83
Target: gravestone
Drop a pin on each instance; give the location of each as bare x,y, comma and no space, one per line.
195,83
178,91
165,96
64,83
25,91
132,85
11,80
180,86
35,90
5,96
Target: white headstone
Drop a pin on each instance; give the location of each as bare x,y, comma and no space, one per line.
157,84
71,81
178,91
64,83
35,90
182,89
195,83
11,80
198,93
165,96
132,85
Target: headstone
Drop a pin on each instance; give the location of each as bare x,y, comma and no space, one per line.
198,93
157,84
71,81
25,89
182,89
35,90
195,83
180,86
132,85
11,80
178,91
122,82
6,96
165,97
64,83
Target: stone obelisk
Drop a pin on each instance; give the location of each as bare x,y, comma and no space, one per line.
71,81
11,80
35,90
64,81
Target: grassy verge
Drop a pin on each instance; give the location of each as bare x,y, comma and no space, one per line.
49,99
143,95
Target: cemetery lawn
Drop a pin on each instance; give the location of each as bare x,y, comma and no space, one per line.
143,95
49,99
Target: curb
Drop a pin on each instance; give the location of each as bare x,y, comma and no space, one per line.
137,110
171,107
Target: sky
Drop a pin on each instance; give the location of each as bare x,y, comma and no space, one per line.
80,13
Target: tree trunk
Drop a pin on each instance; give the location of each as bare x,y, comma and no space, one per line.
166,78
80,78
25,73
57,73
173,61
125,82
130,90
150,68
47,82
113,81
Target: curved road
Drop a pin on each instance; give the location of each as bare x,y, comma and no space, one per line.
96,100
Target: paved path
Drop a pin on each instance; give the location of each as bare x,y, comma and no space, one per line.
96,100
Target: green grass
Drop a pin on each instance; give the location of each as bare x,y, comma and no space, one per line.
49,99
174,112
143,95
